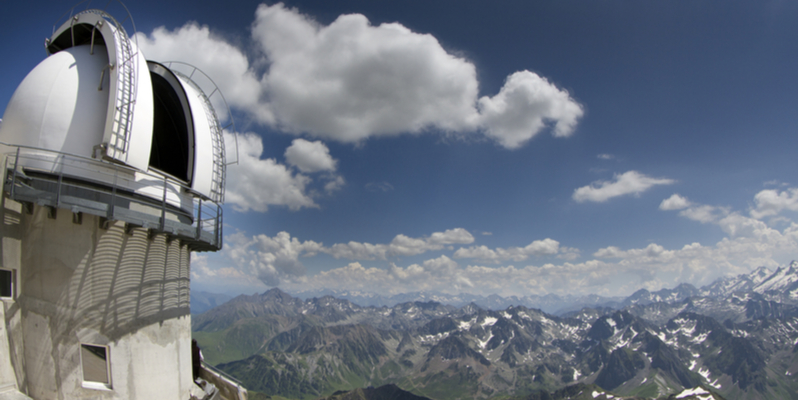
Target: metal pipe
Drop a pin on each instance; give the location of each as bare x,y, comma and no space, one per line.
103,75
72,29
91,48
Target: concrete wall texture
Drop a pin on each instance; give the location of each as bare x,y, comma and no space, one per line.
84,283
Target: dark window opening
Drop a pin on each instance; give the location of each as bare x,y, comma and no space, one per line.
79,34
94,361
171,145
6,283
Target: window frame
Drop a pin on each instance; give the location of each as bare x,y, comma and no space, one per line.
13,284
90,384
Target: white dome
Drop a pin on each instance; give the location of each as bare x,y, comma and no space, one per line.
58,105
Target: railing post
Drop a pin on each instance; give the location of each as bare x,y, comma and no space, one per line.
58,188
199,219
164,206
113,195
14,174
218,230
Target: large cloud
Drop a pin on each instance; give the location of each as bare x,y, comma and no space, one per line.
536,248
772,202
225,63
431,275
748,243
270,259
310,156
631,182
276,260
612,271
255,183
734,224
350,80
525,104
401,245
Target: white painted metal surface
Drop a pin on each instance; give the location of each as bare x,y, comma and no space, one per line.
57,106
129,114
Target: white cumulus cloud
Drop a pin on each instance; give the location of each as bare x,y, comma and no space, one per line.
255,183
748,243
674,202
401,245
525,104
771,202
536,248
351,80
704,213
270,259
310,157
736,225
631,182
225,64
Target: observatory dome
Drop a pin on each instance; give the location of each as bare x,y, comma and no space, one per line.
58,105
96,128
97,97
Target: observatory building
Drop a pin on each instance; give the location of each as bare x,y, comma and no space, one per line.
114,173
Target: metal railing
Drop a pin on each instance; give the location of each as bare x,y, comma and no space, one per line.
226,377
115,192
207,89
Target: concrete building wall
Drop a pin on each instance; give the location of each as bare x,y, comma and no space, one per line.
12,370
83,283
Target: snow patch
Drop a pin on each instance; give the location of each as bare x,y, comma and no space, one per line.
700,338
467,325
705,373
489,321
482,344
691,392
433,338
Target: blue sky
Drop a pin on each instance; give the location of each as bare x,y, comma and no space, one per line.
517,148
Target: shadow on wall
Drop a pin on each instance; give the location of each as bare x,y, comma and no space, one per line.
107,282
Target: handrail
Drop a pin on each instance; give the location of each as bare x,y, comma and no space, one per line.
105,189
220,372
225,375
115,166
216,90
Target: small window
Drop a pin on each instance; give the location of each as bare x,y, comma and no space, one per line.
6,284
94,360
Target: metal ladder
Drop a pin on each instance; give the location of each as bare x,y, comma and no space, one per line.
124,101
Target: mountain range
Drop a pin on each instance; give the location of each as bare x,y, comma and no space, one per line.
761,280
736,338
